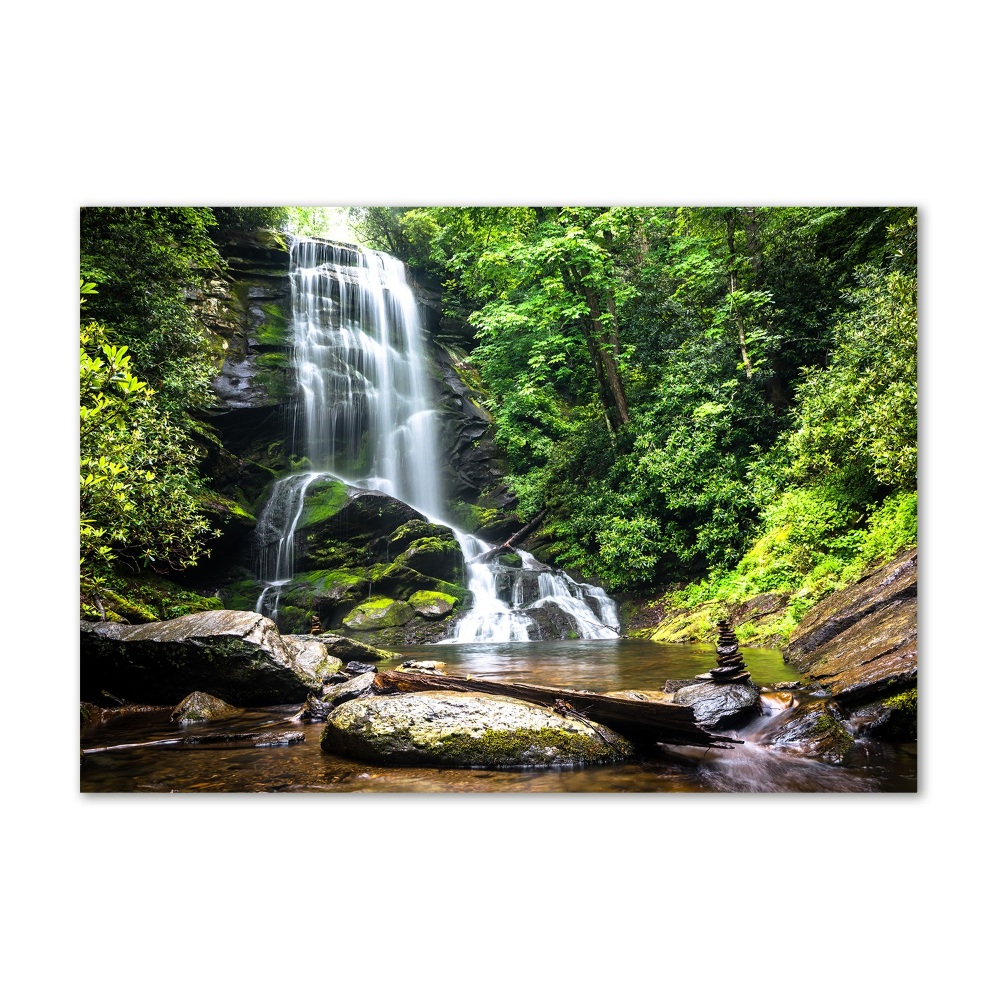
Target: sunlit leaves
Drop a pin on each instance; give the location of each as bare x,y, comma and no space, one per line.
137,469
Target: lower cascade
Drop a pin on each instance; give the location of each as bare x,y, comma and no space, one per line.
363,415
509,600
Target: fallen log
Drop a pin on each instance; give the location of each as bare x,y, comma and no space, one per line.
642,722
518,535
254,739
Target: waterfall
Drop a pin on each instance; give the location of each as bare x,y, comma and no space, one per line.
363,414
363,411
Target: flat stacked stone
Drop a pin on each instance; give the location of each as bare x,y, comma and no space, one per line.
731,668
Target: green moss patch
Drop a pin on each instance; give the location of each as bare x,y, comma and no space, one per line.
324,499
379,613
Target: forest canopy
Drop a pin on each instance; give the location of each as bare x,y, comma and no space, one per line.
717,397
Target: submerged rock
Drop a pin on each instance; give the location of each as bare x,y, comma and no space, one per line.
201,707
810,729
456,729
238,656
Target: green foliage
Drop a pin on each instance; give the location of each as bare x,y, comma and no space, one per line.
249,218
766,357
862,408
137,470
146,262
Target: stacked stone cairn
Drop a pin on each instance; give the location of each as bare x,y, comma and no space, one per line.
731,669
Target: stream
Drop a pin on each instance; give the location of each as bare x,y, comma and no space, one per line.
594,665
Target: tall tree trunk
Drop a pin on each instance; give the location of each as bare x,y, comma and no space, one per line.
609,385
734,288
606,349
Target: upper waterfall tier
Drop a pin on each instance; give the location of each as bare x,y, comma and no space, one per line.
364,409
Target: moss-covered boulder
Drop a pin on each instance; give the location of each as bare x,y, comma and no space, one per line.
334,512
811,729
452,729
379,613
201,707
431,603
238,656
436,556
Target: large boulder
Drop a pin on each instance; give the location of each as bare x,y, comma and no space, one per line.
859,646
238,656
721,706
431,603
457,729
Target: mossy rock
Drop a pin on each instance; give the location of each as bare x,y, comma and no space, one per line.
689,625
453,729
398,580
410,533
435,556
892,718
379,613
432,603
147,598
326,590
273,331
324,499
812,729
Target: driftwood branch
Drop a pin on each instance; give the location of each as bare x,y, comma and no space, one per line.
643,722
254,739
518,536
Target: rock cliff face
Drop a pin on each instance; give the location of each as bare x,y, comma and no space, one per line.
859,646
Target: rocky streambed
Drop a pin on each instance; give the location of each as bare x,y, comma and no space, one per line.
820,718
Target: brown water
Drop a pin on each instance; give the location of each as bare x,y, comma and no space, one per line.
594,666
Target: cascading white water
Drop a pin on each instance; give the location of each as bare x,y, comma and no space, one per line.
593,614
364,414
364,411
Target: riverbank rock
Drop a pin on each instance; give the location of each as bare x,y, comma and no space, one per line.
721,706
859,646
238,656
343,648
457,729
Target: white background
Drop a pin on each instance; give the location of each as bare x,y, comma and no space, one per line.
521,103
